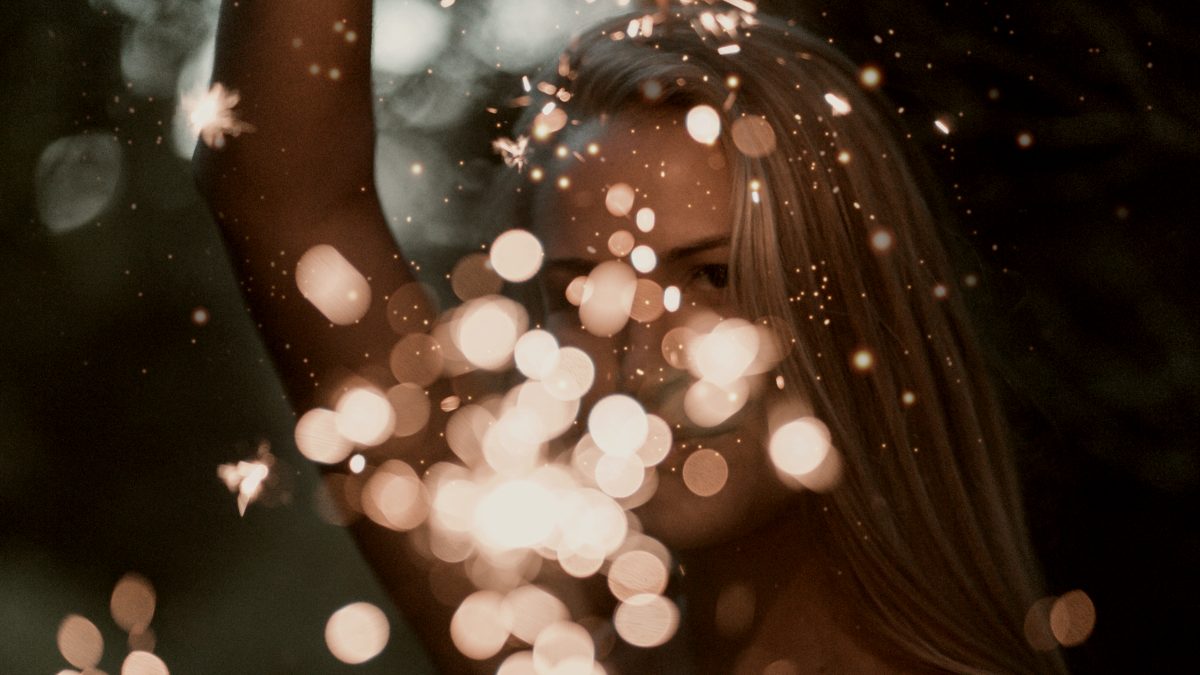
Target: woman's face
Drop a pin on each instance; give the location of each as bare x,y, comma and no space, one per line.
688,187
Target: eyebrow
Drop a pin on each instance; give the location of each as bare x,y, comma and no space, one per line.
583,265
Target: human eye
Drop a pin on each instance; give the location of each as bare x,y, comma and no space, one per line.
709,276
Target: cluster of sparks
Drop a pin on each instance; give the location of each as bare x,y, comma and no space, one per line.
531,483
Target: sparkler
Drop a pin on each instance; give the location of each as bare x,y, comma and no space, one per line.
210,115
515,153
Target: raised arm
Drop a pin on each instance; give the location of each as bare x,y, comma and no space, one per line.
303,178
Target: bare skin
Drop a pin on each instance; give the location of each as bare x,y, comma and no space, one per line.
305,177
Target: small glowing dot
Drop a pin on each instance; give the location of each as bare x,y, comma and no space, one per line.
942,126
593,149
335,74
200,316
643,259
908,398
704,124
358,463
1024,139
417,169
863,360
971,281
870,77
843,157
939,291
564,183
732,82
645,219
671,298
619,200
536,174
620,243
881,240
561,151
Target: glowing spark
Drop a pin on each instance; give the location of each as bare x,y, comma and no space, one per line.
515,153
840,105
210,115
870,77
725,50
247,478
942,126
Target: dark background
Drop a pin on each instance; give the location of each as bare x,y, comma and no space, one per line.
116,408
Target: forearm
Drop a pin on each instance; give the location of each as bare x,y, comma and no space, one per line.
304,177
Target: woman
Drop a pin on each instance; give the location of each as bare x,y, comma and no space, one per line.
769,185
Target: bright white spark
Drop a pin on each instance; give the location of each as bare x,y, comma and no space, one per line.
515,153
840,105
210,115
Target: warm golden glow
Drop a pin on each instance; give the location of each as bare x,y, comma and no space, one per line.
487,331
620,243
619,476
636,572
619,200
1072,618
516,255
704,124
480,625
837,104
132,603
394,497
333,285
318,439
709,404
645,219
143,663
564,647
357,633
411,408
647,300
753,136
365,416
643,259
536,354
799,447
608,298
80,642
532,608
417,358
646,620
705,472
473,277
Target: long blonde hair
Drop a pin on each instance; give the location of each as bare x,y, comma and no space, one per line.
928,522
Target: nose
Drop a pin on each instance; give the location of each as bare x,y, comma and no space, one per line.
632,362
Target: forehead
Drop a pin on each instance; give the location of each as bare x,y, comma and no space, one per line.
685,183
